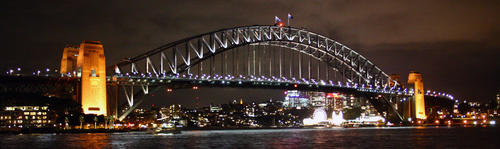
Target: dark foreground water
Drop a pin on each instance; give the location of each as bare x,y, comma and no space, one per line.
429,137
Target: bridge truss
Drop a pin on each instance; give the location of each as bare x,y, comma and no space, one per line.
252,55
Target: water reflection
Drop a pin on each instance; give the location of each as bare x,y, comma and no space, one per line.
89,140
272,138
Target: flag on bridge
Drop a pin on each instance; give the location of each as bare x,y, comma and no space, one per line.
276,19
278,22
289,18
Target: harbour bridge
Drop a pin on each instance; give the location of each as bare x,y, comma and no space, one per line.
259,56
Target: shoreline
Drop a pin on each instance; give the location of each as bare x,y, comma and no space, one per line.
73,131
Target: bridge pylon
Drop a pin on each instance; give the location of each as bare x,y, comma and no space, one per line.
90,66
417,103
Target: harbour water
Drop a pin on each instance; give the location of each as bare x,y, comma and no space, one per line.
396,137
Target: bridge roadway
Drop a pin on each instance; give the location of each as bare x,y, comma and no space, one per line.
178,82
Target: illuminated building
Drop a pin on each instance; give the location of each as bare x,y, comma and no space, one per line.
295,99
26,116
317,99
88,63
68,61
319,116
415,81
335,101
498,100
337,119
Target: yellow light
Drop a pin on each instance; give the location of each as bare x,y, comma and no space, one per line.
465,121
437,121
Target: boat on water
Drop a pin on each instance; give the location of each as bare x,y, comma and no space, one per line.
163,130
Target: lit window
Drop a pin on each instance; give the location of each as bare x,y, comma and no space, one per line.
26,113
39,113
32,113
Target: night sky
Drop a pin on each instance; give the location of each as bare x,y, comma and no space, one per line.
455,44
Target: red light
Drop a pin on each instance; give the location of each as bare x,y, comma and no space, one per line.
334,95
295,85
281,24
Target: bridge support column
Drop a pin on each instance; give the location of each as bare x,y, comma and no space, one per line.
415,81
91,68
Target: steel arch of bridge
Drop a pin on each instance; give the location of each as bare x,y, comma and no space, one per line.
181,55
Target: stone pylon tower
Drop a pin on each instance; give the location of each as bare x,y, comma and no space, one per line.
394,78
91,67
88,63
68,61
415,81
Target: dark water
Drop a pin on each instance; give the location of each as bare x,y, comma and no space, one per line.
428,137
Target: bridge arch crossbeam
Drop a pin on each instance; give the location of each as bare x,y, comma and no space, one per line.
336,63
181,55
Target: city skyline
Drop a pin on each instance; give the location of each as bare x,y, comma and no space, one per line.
456,54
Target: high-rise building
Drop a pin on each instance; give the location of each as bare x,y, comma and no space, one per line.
416,83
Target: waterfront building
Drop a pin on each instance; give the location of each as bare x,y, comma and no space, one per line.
26,116
317,99
296,99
